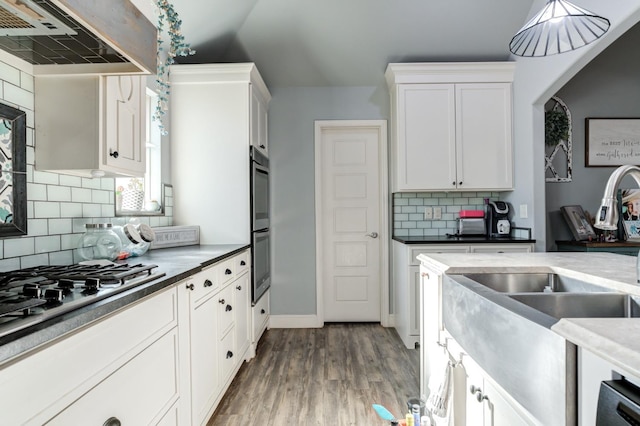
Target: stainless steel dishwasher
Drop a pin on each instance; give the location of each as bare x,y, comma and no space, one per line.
618,404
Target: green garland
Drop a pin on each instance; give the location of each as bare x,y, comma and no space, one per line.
556,127
177,47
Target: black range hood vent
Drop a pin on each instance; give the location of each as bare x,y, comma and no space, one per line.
84,36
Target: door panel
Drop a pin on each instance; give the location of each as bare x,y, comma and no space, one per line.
350,222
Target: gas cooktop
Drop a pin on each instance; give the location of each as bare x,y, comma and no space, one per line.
33,295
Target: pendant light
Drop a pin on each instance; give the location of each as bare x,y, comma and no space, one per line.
559,27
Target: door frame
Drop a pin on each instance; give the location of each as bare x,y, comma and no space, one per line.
383,177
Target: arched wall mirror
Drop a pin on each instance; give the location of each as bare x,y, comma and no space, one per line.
13,172
558,161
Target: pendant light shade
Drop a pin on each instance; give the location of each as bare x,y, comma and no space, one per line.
559,27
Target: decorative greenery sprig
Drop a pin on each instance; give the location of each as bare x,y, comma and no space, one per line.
556,127
177,47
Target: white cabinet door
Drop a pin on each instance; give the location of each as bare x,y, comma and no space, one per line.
258,118
205,381
108,118
125,123
425,140
483,136
242,289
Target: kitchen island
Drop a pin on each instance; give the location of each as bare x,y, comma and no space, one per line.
611,342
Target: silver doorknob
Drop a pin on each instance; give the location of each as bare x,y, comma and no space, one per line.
372,235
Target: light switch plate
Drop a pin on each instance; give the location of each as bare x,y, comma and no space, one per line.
437,212
523,211
428,213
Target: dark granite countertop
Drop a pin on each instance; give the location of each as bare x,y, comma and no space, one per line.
461,240
176,263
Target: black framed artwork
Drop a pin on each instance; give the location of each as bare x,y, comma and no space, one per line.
13,172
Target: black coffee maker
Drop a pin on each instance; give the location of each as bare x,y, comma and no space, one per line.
498,224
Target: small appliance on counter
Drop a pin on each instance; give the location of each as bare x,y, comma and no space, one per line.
471,222
498,224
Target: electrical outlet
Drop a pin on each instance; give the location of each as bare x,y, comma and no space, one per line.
437,212
428,213
523,211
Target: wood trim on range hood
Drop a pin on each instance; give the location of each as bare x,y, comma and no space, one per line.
117,23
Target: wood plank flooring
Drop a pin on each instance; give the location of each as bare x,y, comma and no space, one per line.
327,376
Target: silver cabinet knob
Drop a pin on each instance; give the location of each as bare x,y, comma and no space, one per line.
372,235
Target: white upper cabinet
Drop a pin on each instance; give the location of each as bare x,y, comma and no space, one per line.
258,119
451,126
91,125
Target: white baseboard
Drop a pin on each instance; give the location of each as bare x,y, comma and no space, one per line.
294,321
391,321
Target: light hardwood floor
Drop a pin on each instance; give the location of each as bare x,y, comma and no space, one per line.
327,376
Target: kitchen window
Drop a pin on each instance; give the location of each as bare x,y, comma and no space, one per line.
143,195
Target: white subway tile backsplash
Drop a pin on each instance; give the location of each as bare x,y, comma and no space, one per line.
91,183
37,227
36,191
79,224
26,81
46,209
108,210
18,96
10,264
14,247
81,195
70,180
30,214
91,210
69,241
70,210
168,211
31,261
59,193
102,197
61,257
60,226
31,155
10,74
45,177
168,191
408,211
47,244
108,184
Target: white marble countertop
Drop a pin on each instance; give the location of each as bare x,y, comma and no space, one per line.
616,340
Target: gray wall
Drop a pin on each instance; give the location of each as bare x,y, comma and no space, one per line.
292,113
609,86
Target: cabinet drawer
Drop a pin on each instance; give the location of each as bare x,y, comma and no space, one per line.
242,262
226,271
225,309
436,248
82,359
502,248
228,355
204,283
139,393
260,316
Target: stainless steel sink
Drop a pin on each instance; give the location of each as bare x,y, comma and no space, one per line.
582,305
510,282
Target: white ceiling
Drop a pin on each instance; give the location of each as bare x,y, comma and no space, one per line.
346,42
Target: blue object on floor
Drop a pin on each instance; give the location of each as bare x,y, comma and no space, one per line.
383,412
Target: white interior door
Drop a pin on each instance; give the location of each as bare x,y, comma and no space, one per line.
349,223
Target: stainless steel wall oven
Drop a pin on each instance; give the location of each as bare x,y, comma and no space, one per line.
261,270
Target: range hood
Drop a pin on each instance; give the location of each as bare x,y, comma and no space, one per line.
79,36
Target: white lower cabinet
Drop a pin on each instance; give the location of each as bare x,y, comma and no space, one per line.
478,400
124,366
138,393
260,317
219,331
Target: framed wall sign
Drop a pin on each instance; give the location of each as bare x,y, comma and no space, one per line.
13,172
612,142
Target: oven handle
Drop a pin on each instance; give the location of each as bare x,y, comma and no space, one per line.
262,232
258,167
